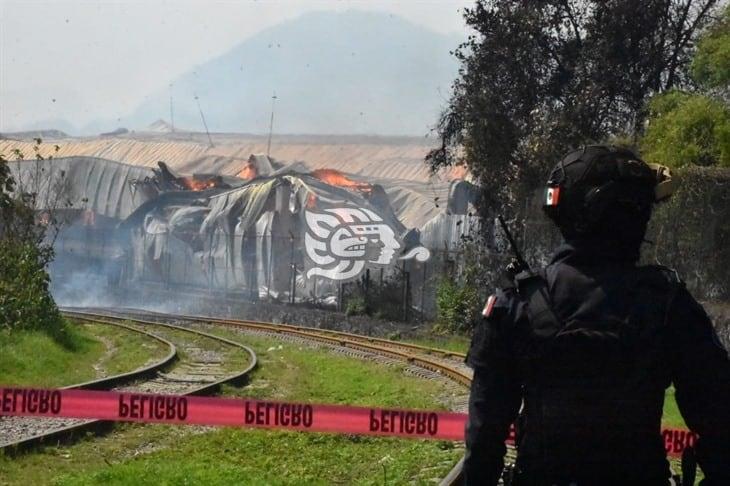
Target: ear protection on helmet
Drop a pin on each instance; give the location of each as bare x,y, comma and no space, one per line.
658,174
597,199
665,186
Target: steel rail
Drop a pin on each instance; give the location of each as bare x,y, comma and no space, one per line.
122,378
99,384
349,340
357,342
67,433
358,337
214,386
337,338
386,342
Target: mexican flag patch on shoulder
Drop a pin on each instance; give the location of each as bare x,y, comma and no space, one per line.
489,306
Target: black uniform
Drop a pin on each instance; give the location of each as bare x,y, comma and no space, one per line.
593,391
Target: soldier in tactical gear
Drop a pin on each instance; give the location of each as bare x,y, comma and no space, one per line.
587,346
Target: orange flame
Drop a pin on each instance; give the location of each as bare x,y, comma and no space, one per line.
337,178
248,172
191,184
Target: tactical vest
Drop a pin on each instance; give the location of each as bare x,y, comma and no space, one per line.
594,390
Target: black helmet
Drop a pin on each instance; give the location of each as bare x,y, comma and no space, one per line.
606,192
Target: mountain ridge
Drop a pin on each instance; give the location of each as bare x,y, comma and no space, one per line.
352,72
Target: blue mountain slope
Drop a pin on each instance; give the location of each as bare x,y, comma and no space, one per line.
336,73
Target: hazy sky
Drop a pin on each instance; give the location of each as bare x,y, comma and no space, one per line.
84,60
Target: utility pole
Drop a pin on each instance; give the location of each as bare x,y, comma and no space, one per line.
210,140
293,279
271,124
172,114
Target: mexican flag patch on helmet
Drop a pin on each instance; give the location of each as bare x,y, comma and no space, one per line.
552,196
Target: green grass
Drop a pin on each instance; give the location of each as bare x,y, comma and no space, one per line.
257,457
234,359
457,343
131,349
671,416
154,454
297,373
32,358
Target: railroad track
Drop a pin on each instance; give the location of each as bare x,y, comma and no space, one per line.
198,363
438,362
441,361
422,361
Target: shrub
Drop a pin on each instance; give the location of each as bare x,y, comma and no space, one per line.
687,129
382,300
25,299
356,306
457,306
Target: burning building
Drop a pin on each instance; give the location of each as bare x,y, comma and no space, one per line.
274,231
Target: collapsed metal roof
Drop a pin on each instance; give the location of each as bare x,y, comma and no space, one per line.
383,157
116,190
107,188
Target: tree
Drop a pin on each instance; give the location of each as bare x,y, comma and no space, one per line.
687,129
711,64
693,127
538,78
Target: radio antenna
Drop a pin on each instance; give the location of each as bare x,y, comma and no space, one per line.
521,264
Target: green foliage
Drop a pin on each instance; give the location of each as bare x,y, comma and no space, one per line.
128,351
25,299
356,306
538,78
694,128
711,64
382,300
275,458
456,306
301,374
687,129
386,300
